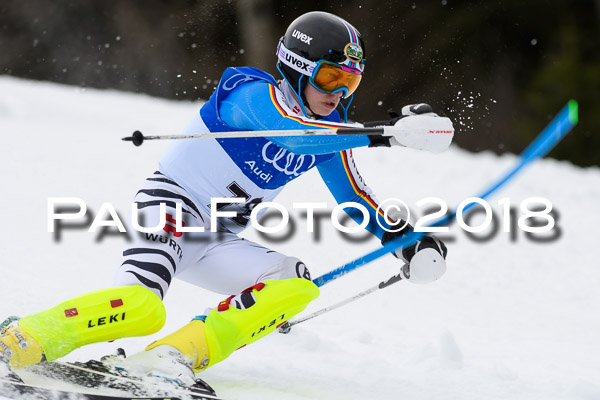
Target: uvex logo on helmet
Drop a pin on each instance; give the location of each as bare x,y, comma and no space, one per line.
303,37
289,57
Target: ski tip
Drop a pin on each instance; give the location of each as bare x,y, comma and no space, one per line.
573,112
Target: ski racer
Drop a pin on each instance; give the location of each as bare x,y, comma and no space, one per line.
321,58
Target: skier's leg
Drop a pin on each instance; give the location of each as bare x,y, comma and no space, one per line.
134,307
94,317
233,264
153,259
271,289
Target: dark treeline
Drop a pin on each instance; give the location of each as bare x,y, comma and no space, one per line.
499,69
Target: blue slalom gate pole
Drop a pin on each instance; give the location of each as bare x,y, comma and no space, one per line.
554,132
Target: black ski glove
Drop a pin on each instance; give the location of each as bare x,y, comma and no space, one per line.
426,242
411,109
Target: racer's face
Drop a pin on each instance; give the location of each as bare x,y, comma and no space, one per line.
321,103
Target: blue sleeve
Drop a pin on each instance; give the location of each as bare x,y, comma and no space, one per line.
256,106
346,185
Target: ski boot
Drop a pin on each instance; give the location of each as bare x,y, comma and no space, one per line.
164,362
18,348
99,316
207,340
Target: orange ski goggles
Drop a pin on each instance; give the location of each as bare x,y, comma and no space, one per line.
328,77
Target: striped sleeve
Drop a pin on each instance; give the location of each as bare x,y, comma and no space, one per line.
347,185
260,106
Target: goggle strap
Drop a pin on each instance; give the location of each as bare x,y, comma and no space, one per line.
294,61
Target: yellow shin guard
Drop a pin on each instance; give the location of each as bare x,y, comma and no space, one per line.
227,328
99,316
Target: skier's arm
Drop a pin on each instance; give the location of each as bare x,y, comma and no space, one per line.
425,259
346,185
258,106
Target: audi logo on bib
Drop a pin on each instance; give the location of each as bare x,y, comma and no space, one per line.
286,162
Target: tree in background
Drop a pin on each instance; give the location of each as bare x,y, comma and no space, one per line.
499,69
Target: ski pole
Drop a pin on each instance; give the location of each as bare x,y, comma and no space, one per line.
421,132
552,134
287,326
138,138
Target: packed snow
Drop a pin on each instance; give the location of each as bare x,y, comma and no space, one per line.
512,318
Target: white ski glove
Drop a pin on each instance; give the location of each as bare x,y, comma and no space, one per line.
425,259
418,128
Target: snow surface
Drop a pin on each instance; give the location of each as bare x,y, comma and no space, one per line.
511,319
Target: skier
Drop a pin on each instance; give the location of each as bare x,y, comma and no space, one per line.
321,58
